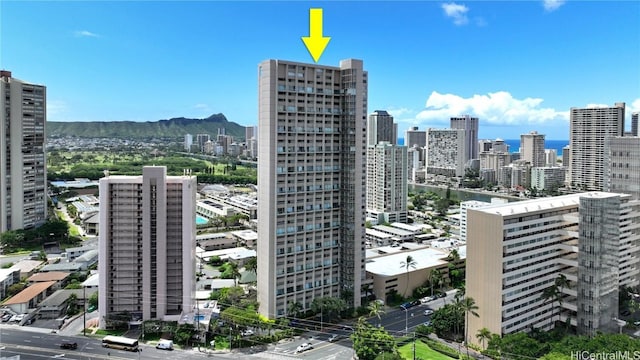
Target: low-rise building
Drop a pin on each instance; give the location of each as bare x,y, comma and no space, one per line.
30,297
8,277
247,238
215,241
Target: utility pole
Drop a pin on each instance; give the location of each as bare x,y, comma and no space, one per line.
84,312
414,345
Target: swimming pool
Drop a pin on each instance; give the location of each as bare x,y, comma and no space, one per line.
201,220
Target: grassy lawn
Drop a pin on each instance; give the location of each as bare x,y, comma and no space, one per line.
422,351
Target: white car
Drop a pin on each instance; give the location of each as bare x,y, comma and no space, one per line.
247,332
426,299
304,347
428,312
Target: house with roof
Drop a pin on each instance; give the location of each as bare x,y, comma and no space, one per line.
75,252
56,305
60,277
27,267
91,224
30,297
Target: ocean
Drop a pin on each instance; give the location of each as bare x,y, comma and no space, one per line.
514,144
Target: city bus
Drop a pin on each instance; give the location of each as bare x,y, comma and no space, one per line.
120,343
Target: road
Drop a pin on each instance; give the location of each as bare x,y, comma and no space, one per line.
394,319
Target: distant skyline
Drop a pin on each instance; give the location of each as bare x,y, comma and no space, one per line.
518,66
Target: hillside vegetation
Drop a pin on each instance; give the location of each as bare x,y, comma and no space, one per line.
176,127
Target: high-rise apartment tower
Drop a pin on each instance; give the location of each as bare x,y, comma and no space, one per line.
311,190
470,126
380,127
23,171
147,245
589,129
532,149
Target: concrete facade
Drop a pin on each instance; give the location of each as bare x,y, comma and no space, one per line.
23,184
387,190
311,197
589,127
517,250
622,165
147,244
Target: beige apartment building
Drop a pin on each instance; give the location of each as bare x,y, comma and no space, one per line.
147,245
517,250
532,149
446,153
387,188
311,184
23,180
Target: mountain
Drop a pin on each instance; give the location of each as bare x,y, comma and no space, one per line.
176,127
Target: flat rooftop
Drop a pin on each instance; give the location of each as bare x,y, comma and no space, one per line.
390,265
527,206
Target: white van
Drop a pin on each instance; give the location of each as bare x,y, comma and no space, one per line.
165,345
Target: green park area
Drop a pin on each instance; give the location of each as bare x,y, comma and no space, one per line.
423,351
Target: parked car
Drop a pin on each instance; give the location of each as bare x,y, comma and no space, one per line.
427,323
247,332
408,305
426,299
68,345
440,295
334,337
6,317
304,347
428,312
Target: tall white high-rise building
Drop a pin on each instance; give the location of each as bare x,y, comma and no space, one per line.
470,126
532,149
622,165
147,246
311,188
250,132
446,152
518,250
387,188
589,129
380,127
551,157
23,171
188,142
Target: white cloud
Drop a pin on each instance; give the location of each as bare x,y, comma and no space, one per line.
457,12
552,5
635,106
499,108
85,33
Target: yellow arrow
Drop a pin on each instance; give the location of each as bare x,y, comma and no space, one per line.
315,42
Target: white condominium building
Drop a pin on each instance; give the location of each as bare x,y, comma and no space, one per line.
589,127
446,152
311,189
23,171
146,246
517,250
387,188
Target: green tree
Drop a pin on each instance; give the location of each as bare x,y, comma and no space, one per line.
408,263
183,333
72,302
561,282
252,265
468,305
93,300
369,341
376,309
483,335
15,288
550,295
230,296
294,308
447,320
435,278
329,308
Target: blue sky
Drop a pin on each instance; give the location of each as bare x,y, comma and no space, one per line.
518,65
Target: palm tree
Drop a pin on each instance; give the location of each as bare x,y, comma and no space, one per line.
468,305
409,263
436,278
235,271
550,294
376,309
294,308
483,335
561,283
252,265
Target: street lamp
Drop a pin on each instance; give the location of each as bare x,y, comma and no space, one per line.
406,321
